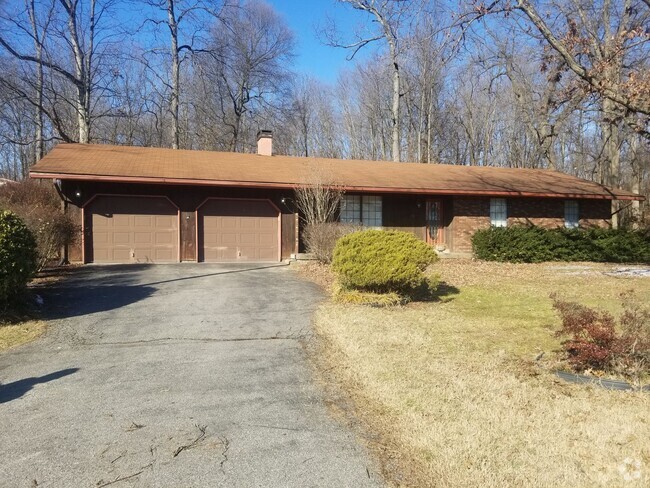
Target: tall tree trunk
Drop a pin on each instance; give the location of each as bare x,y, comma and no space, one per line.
175,96
40,137
82,101
38,47
610,162
395,112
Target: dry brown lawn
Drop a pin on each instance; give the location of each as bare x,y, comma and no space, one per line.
452,396
20,327
12,335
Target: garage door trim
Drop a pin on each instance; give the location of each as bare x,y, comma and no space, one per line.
96,195
277,209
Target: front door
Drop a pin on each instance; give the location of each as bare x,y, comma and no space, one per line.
435,234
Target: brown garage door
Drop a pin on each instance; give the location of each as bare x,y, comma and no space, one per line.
238,230
133,230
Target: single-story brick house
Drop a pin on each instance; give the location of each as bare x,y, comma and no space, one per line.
139,204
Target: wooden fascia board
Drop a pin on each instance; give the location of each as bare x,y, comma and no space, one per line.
292,186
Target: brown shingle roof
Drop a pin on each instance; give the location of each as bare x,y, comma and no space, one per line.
154,165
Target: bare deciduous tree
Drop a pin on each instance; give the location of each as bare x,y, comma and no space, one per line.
319,199
246,64
77,36
194,16
390,17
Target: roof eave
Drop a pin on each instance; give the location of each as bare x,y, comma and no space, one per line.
291,186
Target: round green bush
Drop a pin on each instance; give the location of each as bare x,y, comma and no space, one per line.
18,257
382,261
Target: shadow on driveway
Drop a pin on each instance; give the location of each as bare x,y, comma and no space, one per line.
12,391
207,275
73,301
93,289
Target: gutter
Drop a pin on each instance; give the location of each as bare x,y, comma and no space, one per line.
359,189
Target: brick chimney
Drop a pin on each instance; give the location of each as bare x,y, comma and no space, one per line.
265,143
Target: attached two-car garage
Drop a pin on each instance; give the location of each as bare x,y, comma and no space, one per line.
137,229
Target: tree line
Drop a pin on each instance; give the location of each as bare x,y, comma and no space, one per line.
556,84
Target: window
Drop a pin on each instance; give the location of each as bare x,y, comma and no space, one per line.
498,212
371,211
362,209
571,214
351,209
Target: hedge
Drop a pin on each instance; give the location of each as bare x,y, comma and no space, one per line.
519,244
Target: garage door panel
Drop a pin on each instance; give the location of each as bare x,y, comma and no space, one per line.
101,255
166,221
249,253
143,221
163,255
119,238
143,238
117,220
119,256
227,254
267,225
164,238
248,239
267,239
129,229
267,256
239,230
227,222
227,239
101,237
248,223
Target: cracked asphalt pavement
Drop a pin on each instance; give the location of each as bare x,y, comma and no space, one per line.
188,375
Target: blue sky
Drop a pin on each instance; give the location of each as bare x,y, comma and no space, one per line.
313,57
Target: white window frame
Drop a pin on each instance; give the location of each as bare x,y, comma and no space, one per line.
498,212
571,214
364,210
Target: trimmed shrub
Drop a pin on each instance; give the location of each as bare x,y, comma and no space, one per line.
519,244
320,239
18,258
382,261
39,207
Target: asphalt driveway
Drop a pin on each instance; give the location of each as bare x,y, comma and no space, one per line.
177,375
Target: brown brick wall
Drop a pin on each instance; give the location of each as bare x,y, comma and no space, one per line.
542,212
473,213
469,215
595,213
